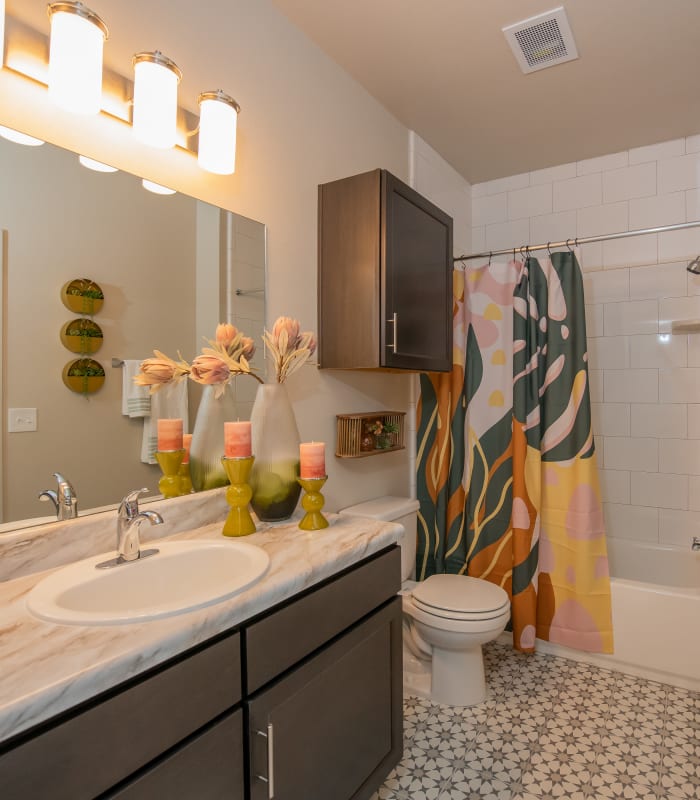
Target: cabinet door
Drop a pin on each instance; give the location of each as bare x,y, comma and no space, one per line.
208,767
416,280
332,728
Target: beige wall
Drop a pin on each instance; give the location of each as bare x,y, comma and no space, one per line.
303,122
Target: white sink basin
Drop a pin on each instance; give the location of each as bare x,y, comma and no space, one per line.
181,577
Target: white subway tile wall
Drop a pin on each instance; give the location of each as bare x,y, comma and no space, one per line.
645,381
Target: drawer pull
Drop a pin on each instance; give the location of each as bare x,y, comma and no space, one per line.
395,344
270,779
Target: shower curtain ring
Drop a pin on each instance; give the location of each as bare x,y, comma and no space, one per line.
549,249
490,257
568,246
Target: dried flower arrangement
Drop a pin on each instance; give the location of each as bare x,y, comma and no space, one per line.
289,347
229,354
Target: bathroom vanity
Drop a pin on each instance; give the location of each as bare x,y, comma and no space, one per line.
292,689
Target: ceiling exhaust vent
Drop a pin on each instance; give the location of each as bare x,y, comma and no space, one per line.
542,41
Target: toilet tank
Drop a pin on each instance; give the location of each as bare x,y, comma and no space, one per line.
403,510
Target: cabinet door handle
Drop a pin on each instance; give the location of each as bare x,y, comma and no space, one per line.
270,779
394,321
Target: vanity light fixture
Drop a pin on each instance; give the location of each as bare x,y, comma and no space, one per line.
156,188
75,57
19,138
218,116
97,166
155,99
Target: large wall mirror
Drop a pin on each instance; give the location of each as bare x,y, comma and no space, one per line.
170,267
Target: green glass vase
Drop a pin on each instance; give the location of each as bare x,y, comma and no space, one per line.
275,437
207,448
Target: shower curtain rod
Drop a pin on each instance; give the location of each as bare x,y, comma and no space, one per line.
578,240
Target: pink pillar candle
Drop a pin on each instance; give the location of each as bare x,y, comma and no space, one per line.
312,456
186,443
169,434
237,440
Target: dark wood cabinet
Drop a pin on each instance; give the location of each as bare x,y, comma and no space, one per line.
384,276
209,766
307,694
332,728
91,749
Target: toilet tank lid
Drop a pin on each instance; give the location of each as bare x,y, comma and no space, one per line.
384,508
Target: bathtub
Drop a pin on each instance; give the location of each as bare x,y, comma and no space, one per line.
656,614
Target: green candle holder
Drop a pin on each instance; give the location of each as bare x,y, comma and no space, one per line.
170,461
312,502
239,522
185,478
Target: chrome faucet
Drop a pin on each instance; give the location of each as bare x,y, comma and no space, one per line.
129,518
696,543
64,499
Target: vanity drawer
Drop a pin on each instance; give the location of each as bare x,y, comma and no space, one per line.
100,746
207,767
283,638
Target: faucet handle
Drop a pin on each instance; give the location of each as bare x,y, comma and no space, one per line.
65,499
64,485
66,495
129,506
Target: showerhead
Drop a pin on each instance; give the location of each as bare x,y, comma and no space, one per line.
694,266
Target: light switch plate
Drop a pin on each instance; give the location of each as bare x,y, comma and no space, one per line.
20,420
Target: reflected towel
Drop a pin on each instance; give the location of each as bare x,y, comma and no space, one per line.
136,400
169,402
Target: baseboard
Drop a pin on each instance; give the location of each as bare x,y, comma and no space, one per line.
608,662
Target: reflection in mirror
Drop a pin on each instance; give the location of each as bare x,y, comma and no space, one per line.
170,268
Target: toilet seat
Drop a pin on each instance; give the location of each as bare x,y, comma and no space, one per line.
459,597
455,624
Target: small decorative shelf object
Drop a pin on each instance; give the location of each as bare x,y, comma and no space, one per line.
84,375
685,326
368,434
82,295
82,335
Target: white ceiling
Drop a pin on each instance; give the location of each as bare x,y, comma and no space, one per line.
445,70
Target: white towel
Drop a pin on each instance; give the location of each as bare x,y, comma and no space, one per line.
169,402
136,400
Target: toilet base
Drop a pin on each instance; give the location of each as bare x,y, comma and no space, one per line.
416,675
458,677
453,681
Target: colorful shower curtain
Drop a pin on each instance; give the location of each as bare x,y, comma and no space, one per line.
507,477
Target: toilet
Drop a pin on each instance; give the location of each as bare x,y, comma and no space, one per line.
446,618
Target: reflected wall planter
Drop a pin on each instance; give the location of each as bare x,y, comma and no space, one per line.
82,336
82,295
276,440
207,447
83,375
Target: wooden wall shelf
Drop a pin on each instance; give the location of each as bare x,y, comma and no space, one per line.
356,439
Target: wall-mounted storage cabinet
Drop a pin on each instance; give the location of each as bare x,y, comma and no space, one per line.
384,276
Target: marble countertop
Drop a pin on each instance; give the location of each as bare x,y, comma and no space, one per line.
47,668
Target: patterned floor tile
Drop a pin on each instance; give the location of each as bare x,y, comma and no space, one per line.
552,728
